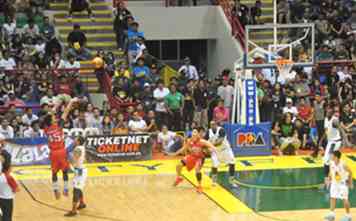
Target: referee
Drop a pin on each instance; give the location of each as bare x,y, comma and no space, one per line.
8,186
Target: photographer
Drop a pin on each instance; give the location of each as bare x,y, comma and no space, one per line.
188,71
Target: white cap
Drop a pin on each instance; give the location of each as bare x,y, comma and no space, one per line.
289,100
146,85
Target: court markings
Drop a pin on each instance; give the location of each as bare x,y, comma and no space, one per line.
218,194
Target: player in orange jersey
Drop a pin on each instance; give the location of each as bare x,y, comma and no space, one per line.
58,154
196,147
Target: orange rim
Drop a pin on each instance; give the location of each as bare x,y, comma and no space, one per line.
281,62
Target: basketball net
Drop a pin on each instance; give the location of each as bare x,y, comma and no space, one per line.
284,66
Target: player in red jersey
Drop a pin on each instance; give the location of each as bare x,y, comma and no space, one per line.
56,144
196,147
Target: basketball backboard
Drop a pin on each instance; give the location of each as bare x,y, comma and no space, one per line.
266,43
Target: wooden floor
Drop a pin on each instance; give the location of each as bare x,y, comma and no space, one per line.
138,197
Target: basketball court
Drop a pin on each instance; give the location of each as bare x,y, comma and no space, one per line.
269,188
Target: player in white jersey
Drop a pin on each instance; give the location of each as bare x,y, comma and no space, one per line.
80,176
333,136
340,179
217,136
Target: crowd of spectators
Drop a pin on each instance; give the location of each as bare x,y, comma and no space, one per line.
296,106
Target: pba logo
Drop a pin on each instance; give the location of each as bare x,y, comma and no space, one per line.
250,139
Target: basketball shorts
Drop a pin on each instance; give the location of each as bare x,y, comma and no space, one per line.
225,155
339,191
59,161
330,148
191,162
80,177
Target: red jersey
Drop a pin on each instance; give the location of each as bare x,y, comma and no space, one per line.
55,137
196,148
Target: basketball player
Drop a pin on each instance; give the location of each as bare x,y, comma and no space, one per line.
195,146
218,138
334,141
80,175
340,180
58,154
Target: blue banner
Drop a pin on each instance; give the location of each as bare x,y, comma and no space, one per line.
250,140
251,106
28,151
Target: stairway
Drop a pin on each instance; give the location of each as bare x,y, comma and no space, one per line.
99,33
263,37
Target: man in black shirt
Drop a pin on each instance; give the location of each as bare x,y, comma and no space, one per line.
348,125
200,97
120,24
78,6
76,35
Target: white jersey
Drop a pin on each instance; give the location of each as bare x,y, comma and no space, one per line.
214,135
332,133
339,175
80,172
80,162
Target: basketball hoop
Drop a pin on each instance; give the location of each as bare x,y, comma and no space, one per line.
284,66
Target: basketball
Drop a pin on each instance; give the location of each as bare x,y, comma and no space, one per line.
98,62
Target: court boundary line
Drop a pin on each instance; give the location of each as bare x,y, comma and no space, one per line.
32,196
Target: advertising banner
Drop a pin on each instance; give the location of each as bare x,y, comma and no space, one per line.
250,140
28,151
120,147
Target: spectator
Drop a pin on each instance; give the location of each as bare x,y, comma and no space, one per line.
305,112
80,121
72,66
348,125
289,108
161,110
34,130
301,87
47,27
133,34
9,28
151,122
188,105
290,142
7,62
6,130
79,6
52,46
319,114
137,124
256,12
241,11
221,113
29,117
31,30
201,98
120,23
106,125
141,72
49,98
174,102
276,137
99,68
169,141
76,36
121,127
188,71
12,100
226,93
146,98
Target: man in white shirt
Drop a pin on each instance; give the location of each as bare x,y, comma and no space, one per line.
189,71
96,120
161,112
166,139
7,62
290,108
226,92
140,47
33,131
6,130
72,64
9,28
137,124
28,117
